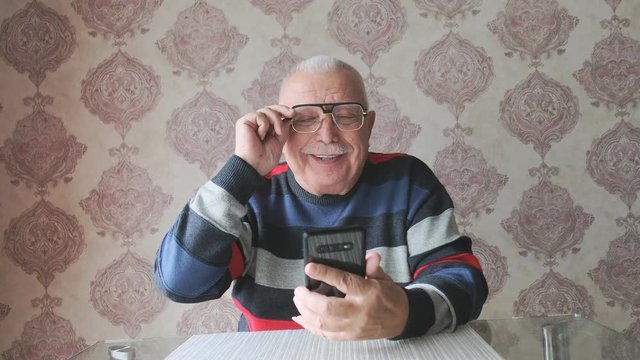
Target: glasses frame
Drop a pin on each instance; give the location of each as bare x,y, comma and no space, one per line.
327,108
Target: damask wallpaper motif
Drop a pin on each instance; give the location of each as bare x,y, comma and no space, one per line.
540,110
112,113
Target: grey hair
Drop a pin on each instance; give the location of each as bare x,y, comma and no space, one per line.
325,63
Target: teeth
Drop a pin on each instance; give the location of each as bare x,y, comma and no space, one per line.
321,157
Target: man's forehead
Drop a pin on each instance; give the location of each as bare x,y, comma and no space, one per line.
305,86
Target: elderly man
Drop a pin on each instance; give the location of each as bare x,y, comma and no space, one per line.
246,223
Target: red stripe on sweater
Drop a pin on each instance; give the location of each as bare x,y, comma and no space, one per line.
279,169
236,265
376,158
259,324
466,258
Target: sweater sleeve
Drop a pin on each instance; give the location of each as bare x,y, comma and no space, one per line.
446,292
448,287
208,244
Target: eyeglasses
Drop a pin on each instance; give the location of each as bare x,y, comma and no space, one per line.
348,116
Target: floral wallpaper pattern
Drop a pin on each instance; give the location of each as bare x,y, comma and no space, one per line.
112,114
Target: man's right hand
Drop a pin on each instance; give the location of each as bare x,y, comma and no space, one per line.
260,136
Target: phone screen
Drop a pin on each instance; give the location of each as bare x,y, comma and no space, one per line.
341,248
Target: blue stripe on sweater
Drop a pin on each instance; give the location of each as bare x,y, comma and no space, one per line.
196,235
194,278
390,197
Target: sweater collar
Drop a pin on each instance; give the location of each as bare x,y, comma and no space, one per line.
316,199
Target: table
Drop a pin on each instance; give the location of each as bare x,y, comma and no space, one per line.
549,338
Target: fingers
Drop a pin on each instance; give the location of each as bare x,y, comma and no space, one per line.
261,135
327,316
263,125
322,315
373,269
268,120
374,307
344,281
312,303
372,263
271,120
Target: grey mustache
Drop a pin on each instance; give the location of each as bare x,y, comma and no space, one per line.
326,151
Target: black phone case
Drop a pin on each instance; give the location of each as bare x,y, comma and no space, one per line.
341,248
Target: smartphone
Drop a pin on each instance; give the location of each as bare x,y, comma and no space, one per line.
342,248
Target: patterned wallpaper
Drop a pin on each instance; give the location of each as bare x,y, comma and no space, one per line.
113,112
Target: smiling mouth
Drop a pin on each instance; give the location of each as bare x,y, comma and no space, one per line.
326,157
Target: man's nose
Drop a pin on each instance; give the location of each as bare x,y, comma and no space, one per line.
328,131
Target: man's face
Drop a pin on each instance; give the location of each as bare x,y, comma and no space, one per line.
328,161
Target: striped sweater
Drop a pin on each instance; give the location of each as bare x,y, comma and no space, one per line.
248,228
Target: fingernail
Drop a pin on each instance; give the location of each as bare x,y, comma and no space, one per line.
311,269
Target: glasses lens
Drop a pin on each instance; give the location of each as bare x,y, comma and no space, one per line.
348,117
307,118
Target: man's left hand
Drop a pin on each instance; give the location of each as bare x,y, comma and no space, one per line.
373,307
